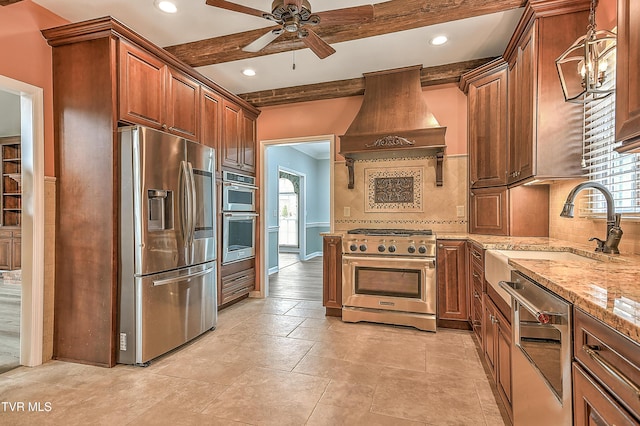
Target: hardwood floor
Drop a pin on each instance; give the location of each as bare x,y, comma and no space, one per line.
297,279
10,295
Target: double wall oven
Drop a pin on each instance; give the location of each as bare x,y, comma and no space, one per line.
238,217
389,276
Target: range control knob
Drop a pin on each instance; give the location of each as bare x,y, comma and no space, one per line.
363,247
392,249
422,249
381,248
353,247
411,249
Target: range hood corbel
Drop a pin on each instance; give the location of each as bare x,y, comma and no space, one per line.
393,122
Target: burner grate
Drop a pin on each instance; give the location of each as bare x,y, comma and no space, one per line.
390,231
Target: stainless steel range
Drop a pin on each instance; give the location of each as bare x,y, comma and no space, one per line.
389,276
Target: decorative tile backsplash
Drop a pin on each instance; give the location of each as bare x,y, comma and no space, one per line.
394,191
402,193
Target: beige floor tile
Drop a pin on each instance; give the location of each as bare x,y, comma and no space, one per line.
263,396
337,369
349,395
265,365
440,402
330,415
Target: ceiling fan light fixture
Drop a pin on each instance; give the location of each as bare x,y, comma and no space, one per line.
166,6
249,72
439,40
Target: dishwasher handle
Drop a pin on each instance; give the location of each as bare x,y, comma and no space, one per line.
541,315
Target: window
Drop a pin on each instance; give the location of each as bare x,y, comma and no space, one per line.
620,173
288,217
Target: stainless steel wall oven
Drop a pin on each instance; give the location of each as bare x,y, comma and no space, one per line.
239,217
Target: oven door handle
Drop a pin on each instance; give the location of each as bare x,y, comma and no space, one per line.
541,315
240,215
233,185
355,260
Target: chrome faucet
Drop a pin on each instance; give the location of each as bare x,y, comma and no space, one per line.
614,233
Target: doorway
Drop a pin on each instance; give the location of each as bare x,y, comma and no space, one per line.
296,209
10,202
31,251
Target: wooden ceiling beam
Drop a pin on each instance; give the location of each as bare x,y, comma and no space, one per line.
389,17
441,74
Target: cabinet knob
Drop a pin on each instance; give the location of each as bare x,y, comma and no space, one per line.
165,127
440,245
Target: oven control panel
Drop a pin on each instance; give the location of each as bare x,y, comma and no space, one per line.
420,247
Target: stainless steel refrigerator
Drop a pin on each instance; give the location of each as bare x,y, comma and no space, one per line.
167,243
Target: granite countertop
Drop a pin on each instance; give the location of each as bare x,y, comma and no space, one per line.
608,289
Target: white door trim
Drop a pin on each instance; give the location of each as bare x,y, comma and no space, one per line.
32,134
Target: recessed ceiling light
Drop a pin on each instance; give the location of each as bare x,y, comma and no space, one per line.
249,72
437,41
166,6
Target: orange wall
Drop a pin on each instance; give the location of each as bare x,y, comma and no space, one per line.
333,116
27,57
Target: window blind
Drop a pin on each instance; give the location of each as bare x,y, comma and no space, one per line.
620,173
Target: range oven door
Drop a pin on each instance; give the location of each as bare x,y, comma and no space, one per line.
394,284
238,236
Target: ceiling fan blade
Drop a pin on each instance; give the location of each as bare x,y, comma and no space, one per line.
318,45
262,41
223,4
348,15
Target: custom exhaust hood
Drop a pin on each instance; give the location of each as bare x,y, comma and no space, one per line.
393,122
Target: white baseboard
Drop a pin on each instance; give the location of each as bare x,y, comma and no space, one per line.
312,255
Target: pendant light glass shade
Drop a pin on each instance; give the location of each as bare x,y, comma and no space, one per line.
583,67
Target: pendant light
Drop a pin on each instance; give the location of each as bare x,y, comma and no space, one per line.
582,68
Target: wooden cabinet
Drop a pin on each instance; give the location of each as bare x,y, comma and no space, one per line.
112,76
10,249
211,122
497,349
606,374
627,76
543,142
332,274
452,303
521,211
476,287
11,189
237,280
156,95
239,140
486,89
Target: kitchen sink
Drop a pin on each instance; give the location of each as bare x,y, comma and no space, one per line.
497,268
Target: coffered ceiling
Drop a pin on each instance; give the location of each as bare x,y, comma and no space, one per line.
211,40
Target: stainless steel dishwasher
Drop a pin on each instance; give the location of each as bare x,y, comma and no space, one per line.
541,354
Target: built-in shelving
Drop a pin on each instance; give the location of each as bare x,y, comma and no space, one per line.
11,188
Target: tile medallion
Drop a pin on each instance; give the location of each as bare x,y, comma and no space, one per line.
394,190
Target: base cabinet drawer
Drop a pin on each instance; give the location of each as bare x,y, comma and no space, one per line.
610,360
237,285
592,405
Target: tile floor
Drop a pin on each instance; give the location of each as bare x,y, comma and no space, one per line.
270,361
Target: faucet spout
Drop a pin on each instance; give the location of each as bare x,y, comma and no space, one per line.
613,219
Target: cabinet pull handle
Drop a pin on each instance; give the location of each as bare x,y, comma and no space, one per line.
476,275
592,351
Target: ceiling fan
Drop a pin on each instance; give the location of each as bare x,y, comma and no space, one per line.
295,16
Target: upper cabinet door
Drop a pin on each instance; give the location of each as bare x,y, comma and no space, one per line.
627,76
248,143
142,79
210,120
488,129
183,105
231,125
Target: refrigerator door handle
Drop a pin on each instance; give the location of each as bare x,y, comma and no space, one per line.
186,217
182,278
192,207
